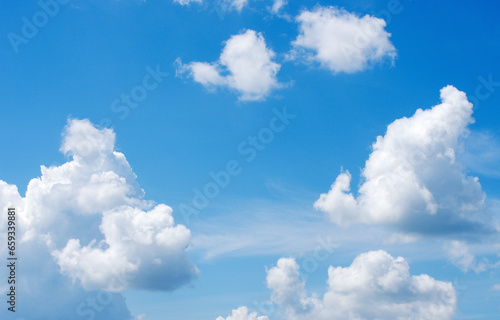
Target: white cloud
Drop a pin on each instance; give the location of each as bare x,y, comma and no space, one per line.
87,217
374,286
458,253
411,178
342,41
96,180
187,2
142,250
41,286
287,289
235,4
278,5
245,65
277,10
242,314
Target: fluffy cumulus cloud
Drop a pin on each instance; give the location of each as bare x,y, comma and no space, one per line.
245,65
342,41
243,314
374,286
411,179
146,246
87,220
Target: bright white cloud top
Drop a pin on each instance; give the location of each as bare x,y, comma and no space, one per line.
246,65
342,41
375,286
90,216
411,178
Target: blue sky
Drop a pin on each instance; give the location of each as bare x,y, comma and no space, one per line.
283,102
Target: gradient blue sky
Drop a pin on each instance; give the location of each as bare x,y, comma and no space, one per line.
92,52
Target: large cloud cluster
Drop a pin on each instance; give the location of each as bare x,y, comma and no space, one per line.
375,286
411,178
89,221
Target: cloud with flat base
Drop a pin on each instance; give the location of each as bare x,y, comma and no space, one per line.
412,180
